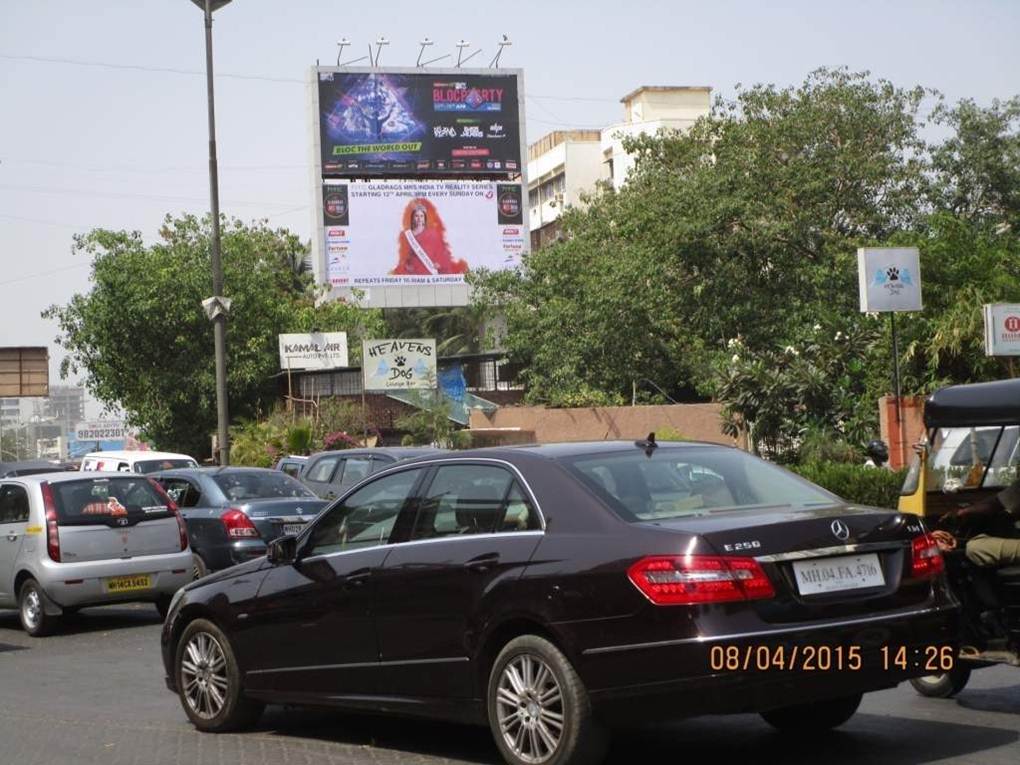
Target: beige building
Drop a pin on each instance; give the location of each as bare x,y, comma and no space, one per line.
565,164
561,166
646,111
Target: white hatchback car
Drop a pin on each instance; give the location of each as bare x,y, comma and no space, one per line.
69,540
136,461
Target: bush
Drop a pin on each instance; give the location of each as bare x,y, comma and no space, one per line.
431,424
855,483
339,424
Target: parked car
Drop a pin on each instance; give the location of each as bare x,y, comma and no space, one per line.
33,467
136,461
291,464
232,512
68,540
329,474
555,591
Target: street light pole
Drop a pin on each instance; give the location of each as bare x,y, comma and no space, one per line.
217,311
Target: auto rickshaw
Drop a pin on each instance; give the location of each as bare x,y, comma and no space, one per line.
971,453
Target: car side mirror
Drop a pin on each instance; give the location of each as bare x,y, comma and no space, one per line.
282,550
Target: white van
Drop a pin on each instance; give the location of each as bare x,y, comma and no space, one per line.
136,462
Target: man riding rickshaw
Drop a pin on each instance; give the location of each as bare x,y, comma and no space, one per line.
965,483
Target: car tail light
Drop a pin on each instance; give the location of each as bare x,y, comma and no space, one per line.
926,559
52,530
182,527
688,579
238,525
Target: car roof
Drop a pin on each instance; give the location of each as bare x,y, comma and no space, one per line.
214,470
64,476
139,455
55,465
568,449
399,452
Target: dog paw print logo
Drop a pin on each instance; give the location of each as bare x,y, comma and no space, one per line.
400,373
892,274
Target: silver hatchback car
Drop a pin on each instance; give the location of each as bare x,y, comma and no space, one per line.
69,540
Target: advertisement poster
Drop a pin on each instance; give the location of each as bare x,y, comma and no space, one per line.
1002,329
421,232
423,123
889,279
398,364
314,350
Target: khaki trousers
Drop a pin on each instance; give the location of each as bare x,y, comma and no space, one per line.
984,550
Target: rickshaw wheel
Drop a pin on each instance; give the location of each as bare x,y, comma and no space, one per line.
943,686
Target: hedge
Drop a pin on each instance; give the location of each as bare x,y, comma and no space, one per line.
858,484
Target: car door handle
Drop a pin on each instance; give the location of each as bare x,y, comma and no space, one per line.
482,563
358,578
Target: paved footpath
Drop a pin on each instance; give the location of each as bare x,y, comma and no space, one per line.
94,694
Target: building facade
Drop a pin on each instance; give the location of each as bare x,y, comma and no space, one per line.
561,166
565,164
646,111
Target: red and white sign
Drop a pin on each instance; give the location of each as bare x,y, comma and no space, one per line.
1002,329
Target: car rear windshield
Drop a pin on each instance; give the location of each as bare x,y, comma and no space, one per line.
101,501
151,466
244,485
676,482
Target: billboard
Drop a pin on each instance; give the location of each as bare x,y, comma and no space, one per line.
1002,329
379,233
313,350
404,124
398,364
24,371
889,278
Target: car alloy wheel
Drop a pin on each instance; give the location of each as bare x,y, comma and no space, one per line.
204,675
529,705
32,610
198,567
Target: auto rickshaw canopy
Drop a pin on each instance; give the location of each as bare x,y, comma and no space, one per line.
974,405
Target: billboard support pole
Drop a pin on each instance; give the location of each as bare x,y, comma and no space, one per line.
364,413
896,387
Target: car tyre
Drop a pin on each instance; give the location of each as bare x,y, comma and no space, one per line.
942,686
198,567
32,610
815,716
538,707
209,681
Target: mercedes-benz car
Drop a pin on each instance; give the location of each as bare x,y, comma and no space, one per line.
552,592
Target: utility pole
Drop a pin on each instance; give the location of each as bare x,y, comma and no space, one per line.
217,306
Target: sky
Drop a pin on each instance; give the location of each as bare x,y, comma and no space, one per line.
103,121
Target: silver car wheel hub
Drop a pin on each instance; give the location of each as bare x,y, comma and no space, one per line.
529,708
32,609
204,675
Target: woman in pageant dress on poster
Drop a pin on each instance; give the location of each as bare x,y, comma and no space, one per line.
422,247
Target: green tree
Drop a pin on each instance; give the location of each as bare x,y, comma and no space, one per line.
745,226
142,340
745,229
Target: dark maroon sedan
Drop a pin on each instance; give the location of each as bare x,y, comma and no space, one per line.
554,591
